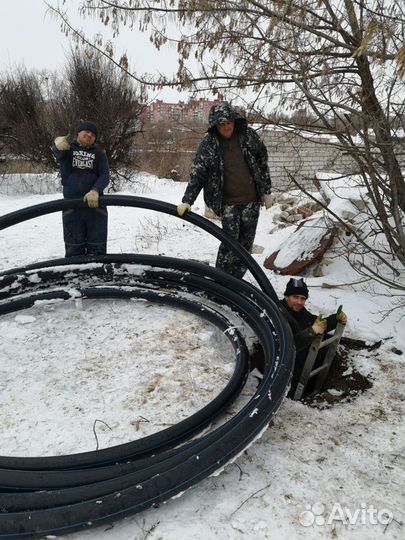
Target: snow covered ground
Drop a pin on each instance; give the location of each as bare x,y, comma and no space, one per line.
332,472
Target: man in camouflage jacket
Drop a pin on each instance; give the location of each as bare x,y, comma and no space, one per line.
231,168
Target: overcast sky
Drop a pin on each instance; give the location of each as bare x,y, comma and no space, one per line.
29,35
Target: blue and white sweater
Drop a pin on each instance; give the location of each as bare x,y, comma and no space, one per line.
82,169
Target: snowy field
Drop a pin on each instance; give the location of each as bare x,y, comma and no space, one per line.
79,375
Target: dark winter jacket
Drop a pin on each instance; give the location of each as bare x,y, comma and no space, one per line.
207,171
301,323
82,169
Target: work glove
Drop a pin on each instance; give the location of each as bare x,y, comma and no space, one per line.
92,198
183,208
341,317
319,326
268,201
62,143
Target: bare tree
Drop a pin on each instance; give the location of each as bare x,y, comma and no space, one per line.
91,89
340,61
35,107
24,130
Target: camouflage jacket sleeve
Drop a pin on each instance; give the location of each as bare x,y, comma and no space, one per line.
262,162
200,171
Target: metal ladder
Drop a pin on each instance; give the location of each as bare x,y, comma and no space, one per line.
321,372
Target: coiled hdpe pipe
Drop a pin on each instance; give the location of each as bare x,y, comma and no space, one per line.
55,495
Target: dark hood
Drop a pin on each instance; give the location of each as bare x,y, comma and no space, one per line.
224,113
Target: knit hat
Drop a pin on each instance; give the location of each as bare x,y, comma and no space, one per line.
296,287
88,126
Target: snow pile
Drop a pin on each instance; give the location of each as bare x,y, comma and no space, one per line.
302,247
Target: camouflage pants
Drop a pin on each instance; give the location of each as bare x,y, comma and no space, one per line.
240,222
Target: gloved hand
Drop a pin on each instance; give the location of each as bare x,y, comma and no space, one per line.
62,143
183,208
92,198
268,201
341,317
319,326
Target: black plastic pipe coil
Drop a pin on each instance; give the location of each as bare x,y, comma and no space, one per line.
55,495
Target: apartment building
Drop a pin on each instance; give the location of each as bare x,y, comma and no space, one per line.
193,110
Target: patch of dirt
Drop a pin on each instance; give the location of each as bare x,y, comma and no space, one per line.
343,381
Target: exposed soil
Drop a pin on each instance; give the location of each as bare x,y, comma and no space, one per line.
343,381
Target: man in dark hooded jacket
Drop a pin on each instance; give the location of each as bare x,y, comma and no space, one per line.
231,167
305,326
85,174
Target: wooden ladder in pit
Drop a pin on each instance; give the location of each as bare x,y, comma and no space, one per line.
320,372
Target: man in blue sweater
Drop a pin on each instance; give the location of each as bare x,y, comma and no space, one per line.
85,174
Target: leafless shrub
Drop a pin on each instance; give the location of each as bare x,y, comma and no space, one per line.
36,107
24,130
